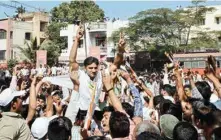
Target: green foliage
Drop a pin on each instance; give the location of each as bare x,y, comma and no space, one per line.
52,52
162,29
11,64
85,11
29,51
20,10
204,40
53,33
66,13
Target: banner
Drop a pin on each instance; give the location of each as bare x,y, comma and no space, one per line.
41,58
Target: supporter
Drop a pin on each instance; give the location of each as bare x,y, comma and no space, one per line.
119,126
185,131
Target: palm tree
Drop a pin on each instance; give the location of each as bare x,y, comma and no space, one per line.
29,51
20,10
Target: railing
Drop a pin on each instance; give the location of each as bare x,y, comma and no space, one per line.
64,51
95,26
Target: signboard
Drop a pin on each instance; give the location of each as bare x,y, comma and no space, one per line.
41,58
95,52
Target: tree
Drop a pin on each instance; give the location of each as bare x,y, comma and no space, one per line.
11,64
163,29
69,13
52,52
20,10
29,51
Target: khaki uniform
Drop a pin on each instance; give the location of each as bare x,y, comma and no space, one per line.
13,127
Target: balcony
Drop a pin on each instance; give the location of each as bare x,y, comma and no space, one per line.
93,27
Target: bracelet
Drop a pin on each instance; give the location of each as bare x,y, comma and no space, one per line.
110,89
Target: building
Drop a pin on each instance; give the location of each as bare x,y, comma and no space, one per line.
211,21
14,32
97,42
196,59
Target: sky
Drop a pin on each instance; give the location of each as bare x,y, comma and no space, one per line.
118,9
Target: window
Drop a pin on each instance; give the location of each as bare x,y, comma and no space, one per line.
100,41
187,64
11,34
217,20
202,64
43,26
2,54
27,36
194,64
2,34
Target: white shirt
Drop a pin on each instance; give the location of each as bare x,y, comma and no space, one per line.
169,98
33,71
54,70
84,91
25,72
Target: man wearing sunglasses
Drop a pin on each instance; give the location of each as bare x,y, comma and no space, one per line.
12,125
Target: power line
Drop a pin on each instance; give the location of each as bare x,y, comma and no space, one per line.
30,6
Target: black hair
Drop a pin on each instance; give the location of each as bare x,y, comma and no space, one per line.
119,125
149,136
59,129
98,115
129,109
96,138
81,114
146,99
167,107
208,116
217,134
169,89
185,131
90,60
187,86
41,96
157,100
204,88
108,109
24,112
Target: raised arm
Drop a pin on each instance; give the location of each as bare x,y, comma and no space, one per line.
73,54
179,83
138,106
108,85
215,80
13,83
32,101
119,58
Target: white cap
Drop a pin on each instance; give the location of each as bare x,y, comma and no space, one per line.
8,94
40,126
54,92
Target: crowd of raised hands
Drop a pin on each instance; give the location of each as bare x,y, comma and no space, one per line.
173,104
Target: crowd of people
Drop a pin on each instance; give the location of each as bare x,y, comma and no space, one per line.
103,101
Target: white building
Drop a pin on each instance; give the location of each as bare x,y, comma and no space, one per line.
97,42
210,22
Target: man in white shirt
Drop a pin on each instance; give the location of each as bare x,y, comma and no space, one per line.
25,71
54,71
90,75
33,71
167,92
